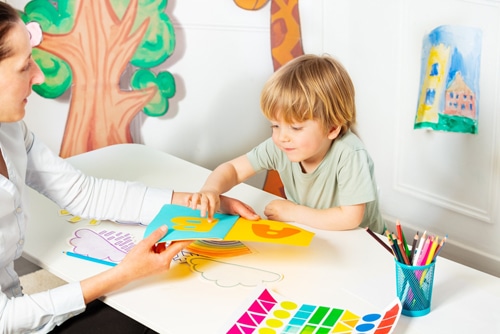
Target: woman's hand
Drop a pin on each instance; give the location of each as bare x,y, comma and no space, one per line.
144,259
149,257
236,207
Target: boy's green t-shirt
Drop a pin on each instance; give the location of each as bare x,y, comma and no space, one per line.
344,177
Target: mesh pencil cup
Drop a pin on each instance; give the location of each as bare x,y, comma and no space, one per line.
414,288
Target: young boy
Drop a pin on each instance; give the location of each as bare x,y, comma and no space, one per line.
325,169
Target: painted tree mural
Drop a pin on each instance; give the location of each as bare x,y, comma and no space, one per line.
87,46
286,44
286,40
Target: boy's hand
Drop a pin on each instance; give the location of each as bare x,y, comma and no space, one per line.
208,202
281,210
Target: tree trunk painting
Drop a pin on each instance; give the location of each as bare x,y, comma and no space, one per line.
97,48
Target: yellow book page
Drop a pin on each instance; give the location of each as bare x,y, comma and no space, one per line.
269,231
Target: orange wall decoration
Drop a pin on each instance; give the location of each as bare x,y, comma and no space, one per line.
286,44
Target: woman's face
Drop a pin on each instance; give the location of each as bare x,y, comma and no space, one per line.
18,73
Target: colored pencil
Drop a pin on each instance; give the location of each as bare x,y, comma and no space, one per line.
425,252
91,259
395,251
380,241
419,248
398,249
391,244
438,250
401,236
403,252
413,245
388,235
432,249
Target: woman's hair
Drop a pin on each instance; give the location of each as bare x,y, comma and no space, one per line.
8,18
311,87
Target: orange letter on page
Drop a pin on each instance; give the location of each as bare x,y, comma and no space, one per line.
265,231
193,224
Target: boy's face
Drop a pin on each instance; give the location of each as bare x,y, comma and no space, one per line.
305,142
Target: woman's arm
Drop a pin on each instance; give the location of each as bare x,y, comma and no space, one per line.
45,310
143,260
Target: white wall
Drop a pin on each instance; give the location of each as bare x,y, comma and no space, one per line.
445,183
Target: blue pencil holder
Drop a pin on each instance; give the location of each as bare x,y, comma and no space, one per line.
414,288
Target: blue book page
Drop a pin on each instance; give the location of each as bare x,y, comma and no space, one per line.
186,224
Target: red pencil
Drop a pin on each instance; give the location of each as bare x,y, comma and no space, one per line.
401,236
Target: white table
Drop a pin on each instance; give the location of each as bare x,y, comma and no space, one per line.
345,269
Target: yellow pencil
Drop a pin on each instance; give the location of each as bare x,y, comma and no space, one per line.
430,257
438,248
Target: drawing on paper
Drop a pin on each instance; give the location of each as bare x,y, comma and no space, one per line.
227,275
449,81
219,248
103,245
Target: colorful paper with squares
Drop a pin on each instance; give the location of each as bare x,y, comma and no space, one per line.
271,313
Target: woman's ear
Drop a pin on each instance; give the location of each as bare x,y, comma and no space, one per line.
334,132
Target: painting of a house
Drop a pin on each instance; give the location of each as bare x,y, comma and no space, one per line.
449,89
460,100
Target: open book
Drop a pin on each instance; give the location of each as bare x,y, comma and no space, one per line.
186,224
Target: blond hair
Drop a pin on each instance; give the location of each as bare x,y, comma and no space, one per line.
311,87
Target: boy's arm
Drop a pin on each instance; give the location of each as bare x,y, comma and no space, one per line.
222,179
339,218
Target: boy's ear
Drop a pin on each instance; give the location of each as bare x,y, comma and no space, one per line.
334,132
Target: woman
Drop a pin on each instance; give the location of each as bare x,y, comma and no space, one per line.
24,160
